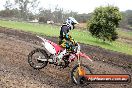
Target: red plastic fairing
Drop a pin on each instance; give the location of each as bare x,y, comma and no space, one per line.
85,56
56,46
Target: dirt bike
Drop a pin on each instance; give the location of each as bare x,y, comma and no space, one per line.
40,57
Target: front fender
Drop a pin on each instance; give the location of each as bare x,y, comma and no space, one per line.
85,56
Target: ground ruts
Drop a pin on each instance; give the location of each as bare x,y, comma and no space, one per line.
15,71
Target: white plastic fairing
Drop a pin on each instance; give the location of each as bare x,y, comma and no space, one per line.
49,47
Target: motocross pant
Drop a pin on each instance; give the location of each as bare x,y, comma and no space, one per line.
68,48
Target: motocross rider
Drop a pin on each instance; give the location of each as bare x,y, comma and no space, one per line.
65,39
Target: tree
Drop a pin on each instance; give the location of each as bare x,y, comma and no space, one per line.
104,22
9,11
58,15
8,5
45,15
126,19
25,7
129,17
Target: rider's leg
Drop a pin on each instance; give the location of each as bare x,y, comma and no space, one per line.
60,56
64,52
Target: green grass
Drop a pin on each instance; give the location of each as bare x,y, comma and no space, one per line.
36,28
85,37
81,36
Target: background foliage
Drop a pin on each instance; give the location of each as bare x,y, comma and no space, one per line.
104,22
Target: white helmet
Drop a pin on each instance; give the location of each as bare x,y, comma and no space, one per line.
71,22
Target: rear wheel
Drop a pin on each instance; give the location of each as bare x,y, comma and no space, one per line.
75,78
35,56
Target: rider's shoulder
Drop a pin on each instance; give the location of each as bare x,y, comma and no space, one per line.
64,26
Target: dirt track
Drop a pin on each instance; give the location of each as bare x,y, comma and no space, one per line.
15,71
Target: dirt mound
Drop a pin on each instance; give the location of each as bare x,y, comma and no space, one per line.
15,71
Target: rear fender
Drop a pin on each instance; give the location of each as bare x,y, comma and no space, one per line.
47,46
44,40
50,46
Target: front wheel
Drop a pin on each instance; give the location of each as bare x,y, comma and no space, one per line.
75,78
35,56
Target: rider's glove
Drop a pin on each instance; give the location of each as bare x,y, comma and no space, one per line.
76,44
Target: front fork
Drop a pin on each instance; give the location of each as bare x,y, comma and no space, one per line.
81,71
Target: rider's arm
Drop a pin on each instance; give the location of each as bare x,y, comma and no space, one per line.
66,35
69,38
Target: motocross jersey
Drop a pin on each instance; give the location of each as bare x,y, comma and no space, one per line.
65,38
